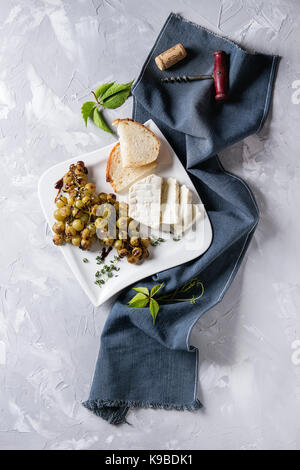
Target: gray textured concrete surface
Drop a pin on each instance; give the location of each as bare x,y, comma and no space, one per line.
52,53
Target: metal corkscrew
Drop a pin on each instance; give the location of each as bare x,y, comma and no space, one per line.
219,75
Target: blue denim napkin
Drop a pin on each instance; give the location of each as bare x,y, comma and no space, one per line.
146,365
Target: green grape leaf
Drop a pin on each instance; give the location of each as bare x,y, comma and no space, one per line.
116,88
154,308
99,121
138,301
156,289
115,101
143,290
100,90
86,110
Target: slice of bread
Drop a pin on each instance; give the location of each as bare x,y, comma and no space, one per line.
120,177
139,145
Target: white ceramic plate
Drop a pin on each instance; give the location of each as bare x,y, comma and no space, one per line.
164,256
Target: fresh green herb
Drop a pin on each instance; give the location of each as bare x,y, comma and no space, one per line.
99,121
108,95
85,260
154,308
86,110
157,241
107,272
176,239
139,301
143,297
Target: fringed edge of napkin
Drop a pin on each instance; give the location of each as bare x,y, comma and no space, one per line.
114,411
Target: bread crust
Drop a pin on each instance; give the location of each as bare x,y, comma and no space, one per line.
109,164
110,160
116,122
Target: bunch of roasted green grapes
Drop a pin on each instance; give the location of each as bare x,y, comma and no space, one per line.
78,221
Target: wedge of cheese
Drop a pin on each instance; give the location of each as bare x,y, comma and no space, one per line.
186,208
145,201
170,202
187,211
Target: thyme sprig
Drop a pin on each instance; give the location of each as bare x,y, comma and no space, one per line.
107,271
157,240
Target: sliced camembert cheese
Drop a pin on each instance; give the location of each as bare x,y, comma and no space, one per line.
186,208
145,200
185,211
170,202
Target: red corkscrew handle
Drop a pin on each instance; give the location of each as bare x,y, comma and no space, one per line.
221,76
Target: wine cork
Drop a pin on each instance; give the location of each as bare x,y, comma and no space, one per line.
170,57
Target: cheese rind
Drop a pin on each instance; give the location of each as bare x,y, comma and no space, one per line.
145,201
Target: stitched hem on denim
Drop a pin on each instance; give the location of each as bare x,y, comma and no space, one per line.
114,411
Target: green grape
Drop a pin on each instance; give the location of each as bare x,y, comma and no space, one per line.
137,252
70,231
59,203
86,234
58,216
101,224
65,211
90,188
85,244
123,252
58,227
134,241
132,259
75,212
58,239
78,225
133,228
122,222
79,204
118,245
86,200
76,240
71,201
84,218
